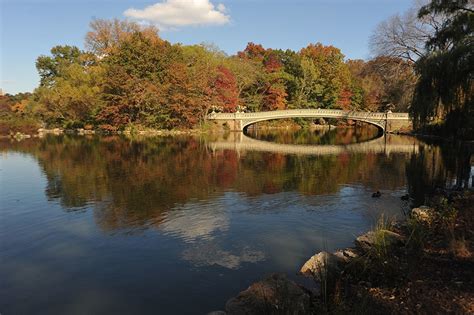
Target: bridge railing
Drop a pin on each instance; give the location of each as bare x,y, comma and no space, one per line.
308,112
399,115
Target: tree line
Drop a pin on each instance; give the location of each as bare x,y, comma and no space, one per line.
127,75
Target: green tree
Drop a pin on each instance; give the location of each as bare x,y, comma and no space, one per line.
70,87
445,90
49,67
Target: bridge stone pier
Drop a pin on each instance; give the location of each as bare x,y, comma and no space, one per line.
387,122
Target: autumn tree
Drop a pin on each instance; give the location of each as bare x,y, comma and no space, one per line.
130,77
16,114
212,85
275,90
381,84
226,89
333,77
253,52
136,72
292,70
247,74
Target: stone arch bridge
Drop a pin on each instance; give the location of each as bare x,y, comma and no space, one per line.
387,122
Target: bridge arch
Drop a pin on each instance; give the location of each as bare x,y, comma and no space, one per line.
246,124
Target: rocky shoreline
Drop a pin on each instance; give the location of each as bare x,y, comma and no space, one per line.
381,273
80,131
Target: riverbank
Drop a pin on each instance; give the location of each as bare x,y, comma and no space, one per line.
205,129
163,132
148,132
422,265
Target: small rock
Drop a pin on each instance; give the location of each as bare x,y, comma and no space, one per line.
351,253
368,240
340,254
345,255
322,263
274,294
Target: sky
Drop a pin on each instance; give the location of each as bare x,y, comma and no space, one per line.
29,28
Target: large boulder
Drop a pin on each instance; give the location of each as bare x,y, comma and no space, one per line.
273,295
322,265
369,240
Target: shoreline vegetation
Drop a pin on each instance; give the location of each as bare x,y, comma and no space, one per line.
41,132
208,128
421,264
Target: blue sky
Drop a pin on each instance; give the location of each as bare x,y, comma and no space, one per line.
30,28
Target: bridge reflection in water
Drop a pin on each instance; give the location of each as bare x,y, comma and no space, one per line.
386,144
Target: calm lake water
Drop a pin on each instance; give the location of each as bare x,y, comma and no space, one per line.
163,225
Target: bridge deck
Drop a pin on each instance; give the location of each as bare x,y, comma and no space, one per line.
290,113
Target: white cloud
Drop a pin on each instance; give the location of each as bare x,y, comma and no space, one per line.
176,13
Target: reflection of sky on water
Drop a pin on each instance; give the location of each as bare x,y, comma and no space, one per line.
208,254
195,221
201,226
235,229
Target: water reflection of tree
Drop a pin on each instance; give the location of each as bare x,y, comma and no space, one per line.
134,183
336,136
438,166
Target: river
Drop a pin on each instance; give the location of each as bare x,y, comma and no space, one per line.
178,225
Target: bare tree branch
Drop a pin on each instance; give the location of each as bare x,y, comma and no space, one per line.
405,36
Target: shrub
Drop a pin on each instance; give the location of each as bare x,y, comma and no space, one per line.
11,124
